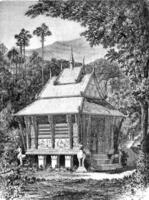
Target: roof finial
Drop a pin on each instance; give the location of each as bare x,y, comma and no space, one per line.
50,73
83,63
93,70
61,66
72,62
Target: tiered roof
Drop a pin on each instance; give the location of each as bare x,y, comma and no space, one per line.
67,94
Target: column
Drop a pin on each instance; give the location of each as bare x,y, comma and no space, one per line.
68,162
89,132
70,129
28,131
51,122
42,161
22,135
79,128
35,125
54,161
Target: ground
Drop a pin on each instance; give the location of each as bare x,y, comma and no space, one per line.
65,185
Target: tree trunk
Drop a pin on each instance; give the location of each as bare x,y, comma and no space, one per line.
143,160
25,74
42,41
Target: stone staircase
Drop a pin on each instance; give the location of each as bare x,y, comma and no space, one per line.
102,162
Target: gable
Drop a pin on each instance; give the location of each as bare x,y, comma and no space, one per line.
93,89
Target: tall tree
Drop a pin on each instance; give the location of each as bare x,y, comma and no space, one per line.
14,59
121,26
42,32
23,39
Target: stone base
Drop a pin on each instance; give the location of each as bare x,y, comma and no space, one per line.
81,169
54,161
42,161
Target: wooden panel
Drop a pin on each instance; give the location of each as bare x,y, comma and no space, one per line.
44,131
61,129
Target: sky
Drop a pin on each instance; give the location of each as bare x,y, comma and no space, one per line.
13,19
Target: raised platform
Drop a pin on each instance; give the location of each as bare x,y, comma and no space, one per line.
52,152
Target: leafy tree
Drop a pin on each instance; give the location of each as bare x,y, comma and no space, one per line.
3,48
121,26
42,32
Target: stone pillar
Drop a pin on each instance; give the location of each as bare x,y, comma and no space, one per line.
35,125
68,162
54,161
70,129
28,131
42,161
51,122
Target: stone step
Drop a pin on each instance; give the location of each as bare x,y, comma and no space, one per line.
106,167
99,156
102,161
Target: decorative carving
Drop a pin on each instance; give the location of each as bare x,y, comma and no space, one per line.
44,143
75,129
62,143
75,142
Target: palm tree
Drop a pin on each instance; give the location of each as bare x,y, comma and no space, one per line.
13,57
42,32
23,40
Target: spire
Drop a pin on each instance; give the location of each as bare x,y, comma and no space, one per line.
93,70
61,66
72,62
50,73
83,63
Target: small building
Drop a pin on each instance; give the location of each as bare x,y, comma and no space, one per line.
70,111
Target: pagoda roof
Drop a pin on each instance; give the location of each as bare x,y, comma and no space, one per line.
65,87
52,106
65,95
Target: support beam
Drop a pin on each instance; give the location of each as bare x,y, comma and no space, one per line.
28,131
70,129
52,127
35,126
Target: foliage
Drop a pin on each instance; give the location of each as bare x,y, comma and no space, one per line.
42,32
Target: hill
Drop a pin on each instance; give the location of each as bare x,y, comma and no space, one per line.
81,48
